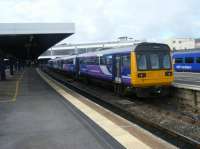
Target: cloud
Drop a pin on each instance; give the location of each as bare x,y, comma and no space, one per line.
103,20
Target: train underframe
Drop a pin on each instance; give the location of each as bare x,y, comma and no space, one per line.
121,89
154,91
142,92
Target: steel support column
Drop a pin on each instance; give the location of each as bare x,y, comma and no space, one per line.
2,69
11,63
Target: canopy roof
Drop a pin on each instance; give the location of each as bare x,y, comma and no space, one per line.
29,40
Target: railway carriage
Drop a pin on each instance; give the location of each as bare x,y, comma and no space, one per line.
69,64
145,67
55,64
187,61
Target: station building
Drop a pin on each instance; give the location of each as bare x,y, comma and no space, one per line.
183,43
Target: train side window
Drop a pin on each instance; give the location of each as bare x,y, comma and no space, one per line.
126,60
62,62
82,61
69,61
178,60
189,60
93,61
89,61
197,59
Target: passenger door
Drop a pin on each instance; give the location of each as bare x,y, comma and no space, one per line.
117,69
77,66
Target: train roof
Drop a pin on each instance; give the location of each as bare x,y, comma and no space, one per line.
55,59
195,53
69,57
125,49
135,47
106,52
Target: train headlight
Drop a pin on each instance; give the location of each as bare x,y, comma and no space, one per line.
141,75
168,73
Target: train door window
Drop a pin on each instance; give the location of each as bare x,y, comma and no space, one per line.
97,61
126,61
62,62
142,62
189,60
102,60
178,60
74,61
197,59
117,66
166,61
154,61
71,61
109,62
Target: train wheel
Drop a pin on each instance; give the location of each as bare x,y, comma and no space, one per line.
116,89
86,80
119,89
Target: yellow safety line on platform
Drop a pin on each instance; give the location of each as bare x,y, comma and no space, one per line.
17,88
121,135
14,98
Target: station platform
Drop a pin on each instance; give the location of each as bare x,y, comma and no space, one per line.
42,115
37,118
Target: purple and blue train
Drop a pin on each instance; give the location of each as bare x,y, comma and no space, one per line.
145,67
186,61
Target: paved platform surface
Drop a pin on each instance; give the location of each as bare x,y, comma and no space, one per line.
40,119
128,134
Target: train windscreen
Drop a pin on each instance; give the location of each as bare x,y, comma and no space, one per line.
153,60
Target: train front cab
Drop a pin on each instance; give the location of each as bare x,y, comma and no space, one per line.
151,69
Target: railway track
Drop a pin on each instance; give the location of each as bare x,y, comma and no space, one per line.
173,137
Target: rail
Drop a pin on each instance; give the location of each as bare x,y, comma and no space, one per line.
170,136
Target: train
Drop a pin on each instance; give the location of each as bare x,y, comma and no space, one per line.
146,68
186,61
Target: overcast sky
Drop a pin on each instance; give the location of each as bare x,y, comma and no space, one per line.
105,20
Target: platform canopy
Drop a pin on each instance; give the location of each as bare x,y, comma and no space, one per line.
29,40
